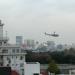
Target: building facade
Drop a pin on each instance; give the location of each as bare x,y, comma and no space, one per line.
10,55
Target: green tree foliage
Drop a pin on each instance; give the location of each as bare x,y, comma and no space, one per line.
43,58
60,57
53,68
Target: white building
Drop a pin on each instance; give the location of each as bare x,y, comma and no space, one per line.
10,55
31,68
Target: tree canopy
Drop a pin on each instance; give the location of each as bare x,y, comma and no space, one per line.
53,68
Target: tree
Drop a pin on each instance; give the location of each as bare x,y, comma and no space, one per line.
53,68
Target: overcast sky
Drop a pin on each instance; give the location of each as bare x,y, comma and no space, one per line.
31,18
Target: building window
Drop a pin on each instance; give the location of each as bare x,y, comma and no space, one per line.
16,57
21,58
22,70
17,50
9,60
12,57
4,51
16,64
8,65
1,57
21,65
12,64
0,43
13,50
23,51
4,42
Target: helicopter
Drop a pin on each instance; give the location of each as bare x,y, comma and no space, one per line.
53,34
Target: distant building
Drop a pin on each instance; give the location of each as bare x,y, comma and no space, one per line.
66,46
30,44
19,40
50,46
59,47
